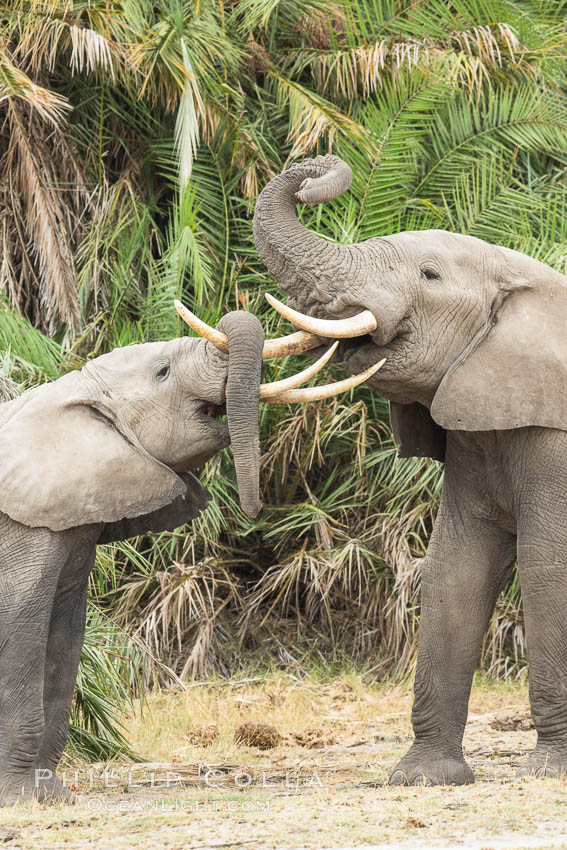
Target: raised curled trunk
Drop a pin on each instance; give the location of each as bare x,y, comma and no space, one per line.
245,342
297,258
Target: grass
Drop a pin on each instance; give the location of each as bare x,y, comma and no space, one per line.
328,791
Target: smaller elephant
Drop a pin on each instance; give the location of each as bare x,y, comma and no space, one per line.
103,454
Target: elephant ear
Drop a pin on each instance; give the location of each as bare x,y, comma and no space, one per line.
65,463
171,516
515,375
415,432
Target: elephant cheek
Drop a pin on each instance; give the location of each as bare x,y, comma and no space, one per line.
211,437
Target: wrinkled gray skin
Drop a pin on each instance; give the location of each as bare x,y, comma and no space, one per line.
102,454
476,372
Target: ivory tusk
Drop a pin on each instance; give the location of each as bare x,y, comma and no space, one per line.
216,337
268,391
358,325
328,390
292,344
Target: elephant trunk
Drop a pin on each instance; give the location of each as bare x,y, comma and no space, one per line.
295,256
245,342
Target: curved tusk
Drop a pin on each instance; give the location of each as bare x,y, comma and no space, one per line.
276,387
292,344
216,337
359,325
328,390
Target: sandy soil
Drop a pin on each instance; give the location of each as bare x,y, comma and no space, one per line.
322,785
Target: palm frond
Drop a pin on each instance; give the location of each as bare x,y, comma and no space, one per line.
14,83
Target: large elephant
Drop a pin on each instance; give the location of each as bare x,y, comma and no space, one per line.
475,341
103,454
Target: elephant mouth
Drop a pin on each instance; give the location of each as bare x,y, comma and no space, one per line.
210,415
348,347
214,411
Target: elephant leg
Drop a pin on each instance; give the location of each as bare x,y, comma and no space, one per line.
463,571
64,644
542,562
27,591
63,653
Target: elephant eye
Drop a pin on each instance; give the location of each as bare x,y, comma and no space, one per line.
430,273
162,371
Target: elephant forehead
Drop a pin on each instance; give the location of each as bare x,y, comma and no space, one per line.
130,359
438,242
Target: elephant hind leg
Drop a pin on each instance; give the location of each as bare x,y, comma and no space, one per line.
544,592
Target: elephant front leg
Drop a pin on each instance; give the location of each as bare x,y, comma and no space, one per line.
462,574
26,598
543,579
64,644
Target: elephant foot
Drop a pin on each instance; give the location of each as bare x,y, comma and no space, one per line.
54,791
545,761
430,767
49,790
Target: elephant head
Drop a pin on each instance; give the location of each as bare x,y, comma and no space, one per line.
116,439
473,334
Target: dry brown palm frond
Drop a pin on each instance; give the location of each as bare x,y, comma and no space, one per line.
176,612
311,118
14,83
43,186
323,586
90,51
87,40
471,55
9,260
301,438
206,646
19,280
279,588
8,387
259,60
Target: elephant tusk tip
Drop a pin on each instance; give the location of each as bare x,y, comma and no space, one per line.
217,338
267,391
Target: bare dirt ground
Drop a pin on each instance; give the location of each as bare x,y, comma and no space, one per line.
321,784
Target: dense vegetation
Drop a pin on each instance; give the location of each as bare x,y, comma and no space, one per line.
135,138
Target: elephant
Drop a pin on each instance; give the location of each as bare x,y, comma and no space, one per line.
475,349
105,453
